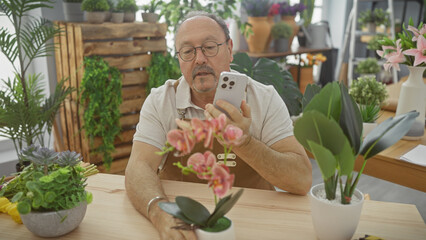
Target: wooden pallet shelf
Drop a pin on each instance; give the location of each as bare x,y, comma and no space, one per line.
127,46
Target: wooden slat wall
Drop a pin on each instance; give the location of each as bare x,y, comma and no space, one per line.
127,46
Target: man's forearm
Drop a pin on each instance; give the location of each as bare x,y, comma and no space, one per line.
287,170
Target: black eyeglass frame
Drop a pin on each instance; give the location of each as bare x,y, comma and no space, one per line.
202,50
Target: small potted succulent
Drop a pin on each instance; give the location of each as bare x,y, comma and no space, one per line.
149,14
369,94
281,32
129,8
369,66
49,194
117,13
95,10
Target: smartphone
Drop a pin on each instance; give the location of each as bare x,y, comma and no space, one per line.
231,88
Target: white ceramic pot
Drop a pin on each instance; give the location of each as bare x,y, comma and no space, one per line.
334,221
228,234
48,224
367,128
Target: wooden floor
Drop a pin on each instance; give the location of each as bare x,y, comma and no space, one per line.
382,190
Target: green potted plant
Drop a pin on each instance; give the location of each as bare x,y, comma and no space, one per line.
117,13
372,19
129,8
306,16
369,66
281,32
26,113
72,10
149,14
330,128
50,194
369,94
95,10
374,43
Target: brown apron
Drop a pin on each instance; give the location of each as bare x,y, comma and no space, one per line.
245,176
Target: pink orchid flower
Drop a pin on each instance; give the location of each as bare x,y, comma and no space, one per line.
181,140
232,135
218,123
417,32
393,58
221,181
419,53
184,125
202,164
203,130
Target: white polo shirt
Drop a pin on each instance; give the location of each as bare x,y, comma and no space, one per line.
270,118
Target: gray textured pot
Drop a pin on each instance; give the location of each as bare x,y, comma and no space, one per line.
150,17
95,17
281,45
117,17
72,12
48,224
129,16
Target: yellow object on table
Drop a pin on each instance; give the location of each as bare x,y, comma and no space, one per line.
10,208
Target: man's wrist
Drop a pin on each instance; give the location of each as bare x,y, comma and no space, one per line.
153,201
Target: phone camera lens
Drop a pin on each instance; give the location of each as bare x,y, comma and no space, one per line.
232,83
224,85
225,79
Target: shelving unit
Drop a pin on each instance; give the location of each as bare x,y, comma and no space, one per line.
127,46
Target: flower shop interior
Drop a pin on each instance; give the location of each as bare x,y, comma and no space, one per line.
376,49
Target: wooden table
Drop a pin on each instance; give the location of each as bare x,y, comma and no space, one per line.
259,214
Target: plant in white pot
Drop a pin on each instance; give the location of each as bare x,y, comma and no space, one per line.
95,10
50,192
372,19
330,128
370,95
193,214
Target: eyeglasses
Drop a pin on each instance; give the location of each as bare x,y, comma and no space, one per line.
209,49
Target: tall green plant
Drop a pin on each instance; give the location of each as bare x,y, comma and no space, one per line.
161,68
26,114
100,96
309,11
268,72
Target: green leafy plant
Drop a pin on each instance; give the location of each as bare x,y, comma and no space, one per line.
307,14
73,1
95,5
152,6
101,98
175,10
378,16
268,72
52,182
26,114
374,43
127,5
281,30
163,66
368,66
330,128
369,94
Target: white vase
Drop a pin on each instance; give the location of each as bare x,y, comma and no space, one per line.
334,221
228,234
54,224
367,128
412,97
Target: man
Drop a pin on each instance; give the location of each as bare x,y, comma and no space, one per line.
269,148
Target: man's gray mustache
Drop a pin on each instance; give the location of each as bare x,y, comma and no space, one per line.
203,68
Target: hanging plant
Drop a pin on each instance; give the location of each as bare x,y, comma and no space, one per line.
161,68
101,98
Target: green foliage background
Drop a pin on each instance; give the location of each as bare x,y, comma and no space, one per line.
161,68
101,98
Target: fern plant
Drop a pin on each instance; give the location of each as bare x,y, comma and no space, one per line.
100,96
25,111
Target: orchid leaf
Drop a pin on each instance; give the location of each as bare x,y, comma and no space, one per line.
315,126
193,210
387,133
327,101
174,210
325,159
350,119
223,207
